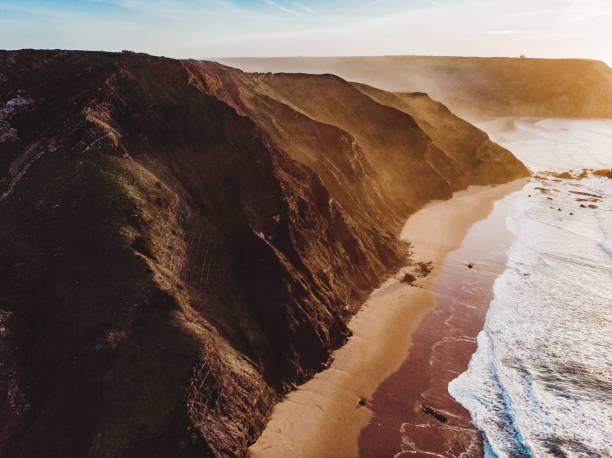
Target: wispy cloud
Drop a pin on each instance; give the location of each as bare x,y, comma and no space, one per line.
281,7
184,11
24,8
304,8
199,28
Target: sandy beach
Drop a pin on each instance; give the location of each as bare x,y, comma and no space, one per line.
414,413
324,417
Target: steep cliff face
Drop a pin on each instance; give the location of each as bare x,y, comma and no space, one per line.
471,157
180,242
405,149
473,87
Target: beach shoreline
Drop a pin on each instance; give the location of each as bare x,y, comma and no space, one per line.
325,416
414,414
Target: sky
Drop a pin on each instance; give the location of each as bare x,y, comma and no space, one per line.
238,28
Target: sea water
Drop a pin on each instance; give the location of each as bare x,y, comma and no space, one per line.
540,382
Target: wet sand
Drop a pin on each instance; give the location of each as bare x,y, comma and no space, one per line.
441,349
324,417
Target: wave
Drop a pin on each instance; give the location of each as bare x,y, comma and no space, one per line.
540,381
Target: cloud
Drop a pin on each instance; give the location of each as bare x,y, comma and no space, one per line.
199,28
184,11
33,10
281,7
304,7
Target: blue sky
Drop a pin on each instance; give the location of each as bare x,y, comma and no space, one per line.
215,28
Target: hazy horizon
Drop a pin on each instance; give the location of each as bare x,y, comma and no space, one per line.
314,28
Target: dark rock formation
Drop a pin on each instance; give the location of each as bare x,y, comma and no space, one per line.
437,415
607,173
180,242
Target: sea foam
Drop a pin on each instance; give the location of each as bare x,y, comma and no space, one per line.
540,382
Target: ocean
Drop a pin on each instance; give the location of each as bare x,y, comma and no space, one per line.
540,381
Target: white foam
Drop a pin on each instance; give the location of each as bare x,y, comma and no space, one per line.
540,382
555,144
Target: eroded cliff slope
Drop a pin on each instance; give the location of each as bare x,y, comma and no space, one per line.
473,87
180,242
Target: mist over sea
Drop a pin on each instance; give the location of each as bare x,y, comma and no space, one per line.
540,382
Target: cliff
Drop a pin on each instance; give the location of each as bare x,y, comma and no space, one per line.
473,87
180,242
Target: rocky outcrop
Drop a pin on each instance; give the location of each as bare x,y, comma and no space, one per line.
603,173
181,242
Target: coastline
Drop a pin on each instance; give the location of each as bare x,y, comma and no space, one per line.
323,417
413,410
